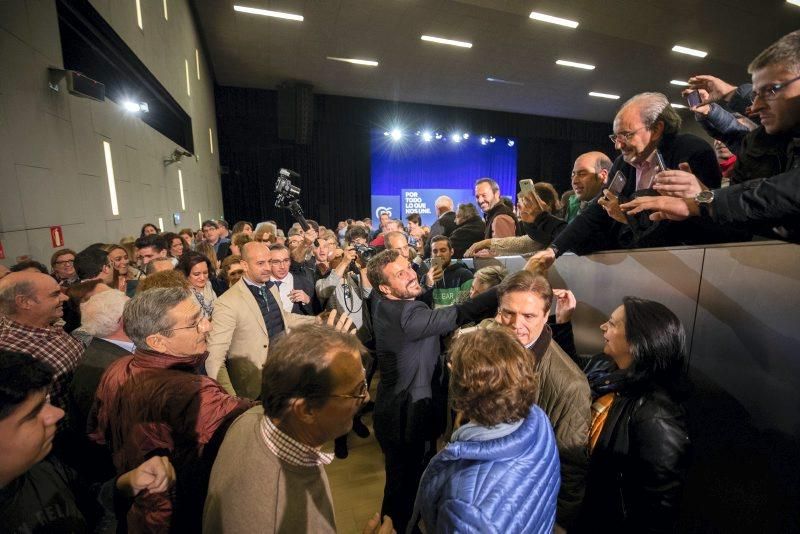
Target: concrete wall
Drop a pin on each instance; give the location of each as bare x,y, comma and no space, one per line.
52,167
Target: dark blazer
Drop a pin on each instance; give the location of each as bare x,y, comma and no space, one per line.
444,225
594,230
467,233
302,282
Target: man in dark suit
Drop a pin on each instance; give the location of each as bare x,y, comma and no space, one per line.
410,404
295,288
446,222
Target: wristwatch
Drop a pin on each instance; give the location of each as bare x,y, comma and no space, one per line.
704,201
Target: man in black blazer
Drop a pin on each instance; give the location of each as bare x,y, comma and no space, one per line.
410,406
294,286
445,224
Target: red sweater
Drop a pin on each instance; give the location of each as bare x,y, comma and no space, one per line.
156,404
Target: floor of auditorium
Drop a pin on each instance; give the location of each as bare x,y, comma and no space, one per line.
357,481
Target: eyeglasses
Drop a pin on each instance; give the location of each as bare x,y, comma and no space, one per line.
361,395
624,137
771,91
65,262
278,262
196,326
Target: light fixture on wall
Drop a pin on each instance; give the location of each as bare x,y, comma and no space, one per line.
180,186
134,107
176,156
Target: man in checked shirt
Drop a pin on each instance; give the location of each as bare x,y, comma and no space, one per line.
29,305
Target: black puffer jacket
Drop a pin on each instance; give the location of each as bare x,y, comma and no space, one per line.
466,234
638,466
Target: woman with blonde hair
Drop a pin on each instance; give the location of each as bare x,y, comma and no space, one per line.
126,276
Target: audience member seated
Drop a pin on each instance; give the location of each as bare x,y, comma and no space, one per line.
500,470
499,217
247,318
154,402
766,204
149,229
126,276
149,248
171,278
409,409
269,474
156,265
63,264
31,266
469,228
37,492
445,282
175,245
639,442
30,303
198,271
524,303
589,173
297,293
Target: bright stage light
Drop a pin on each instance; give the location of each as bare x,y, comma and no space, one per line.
484,141
438,135
426,136
491,139
465,136
397,134
510,142
456,137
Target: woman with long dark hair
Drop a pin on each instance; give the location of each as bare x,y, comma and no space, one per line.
199,270
638,440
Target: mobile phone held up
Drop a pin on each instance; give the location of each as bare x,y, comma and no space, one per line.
694,99
526,186
617,184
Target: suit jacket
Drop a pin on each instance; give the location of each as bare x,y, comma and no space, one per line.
239,341
305,283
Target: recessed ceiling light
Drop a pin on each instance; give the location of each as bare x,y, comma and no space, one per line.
573,64
268,13
505,82
604,95
689,51
367,62
442,40
679,82
553,20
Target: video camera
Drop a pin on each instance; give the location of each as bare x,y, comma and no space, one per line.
287,195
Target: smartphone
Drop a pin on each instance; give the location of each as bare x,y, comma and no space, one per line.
694,99
526,186
617,184
436,261
660,162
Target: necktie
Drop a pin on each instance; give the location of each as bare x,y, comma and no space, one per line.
263,292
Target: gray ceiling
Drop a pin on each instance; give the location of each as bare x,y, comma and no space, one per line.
629,41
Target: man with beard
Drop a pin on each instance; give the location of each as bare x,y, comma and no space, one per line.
410,404
446,282
588,175
500,219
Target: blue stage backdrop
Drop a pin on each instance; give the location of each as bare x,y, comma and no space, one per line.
408,174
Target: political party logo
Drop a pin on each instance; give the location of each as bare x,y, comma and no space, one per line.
380,210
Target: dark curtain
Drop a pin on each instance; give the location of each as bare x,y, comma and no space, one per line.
335,166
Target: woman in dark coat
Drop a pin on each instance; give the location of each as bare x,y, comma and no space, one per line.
638,441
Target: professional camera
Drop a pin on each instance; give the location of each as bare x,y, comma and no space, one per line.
365,253
284,189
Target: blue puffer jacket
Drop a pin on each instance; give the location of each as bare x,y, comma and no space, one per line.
504,485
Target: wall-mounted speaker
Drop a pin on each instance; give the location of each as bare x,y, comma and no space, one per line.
295,112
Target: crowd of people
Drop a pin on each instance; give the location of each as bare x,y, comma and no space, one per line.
190,381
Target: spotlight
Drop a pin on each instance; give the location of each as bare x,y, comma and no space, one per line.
510,142
133,107
426,136
397,134
484,141
438,135
386,134
491,139
465,136
456,137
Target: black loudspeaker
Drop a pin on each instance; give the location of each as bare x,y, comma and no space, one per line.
295,112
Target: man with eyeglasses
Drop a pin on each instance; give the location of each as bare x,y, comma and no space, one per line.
767,205
297,293
156,402
269,475
63,264
644,127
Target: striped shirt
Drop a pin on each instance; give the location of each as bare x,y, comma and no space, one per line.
51,345
290,450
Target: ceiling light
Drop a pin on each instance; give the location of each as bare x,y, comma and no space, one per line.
456,137
793,2
679,82
465,136
484,140
426,136
553,20
689,51
441,40
268,13
396,134
565,63
510,142
604,95
677,106
367,62
438,135
506,82
491,139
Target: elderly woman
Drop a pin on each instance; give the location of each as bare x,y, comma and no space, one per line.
198,270
638,441
500,471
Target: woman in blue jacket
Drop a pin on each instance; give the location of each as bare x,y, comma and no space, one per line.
500,473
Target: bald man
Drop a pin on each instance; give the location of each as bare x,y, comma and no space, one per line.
588,175
30,303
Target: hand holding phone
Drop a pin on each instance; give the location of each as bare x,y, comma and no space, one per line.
694,99
617,184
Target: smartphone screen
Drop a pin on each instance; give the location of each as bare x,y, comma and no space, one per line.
694,99
617,184
436,261
526,186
